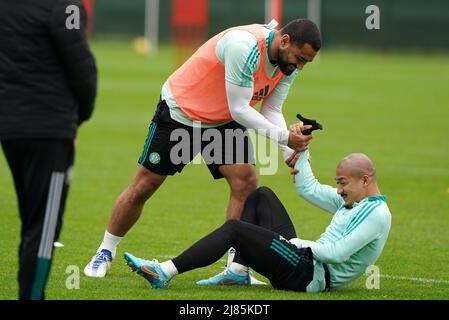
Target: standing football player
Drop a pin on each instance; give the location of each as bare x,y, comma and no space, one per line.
217,87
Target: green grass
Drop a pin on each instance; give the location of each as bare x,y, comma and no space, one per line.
393,107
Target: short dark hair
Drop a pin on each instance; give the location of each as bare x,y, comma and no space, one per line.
302,31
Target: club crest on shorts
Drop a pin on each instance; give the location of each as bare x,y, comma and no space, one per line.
154,157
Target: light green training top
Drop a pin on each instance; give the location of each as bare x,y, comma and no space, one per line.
239,52
355,237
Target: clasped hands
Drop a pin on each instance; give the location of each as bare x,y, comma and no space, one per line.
298,142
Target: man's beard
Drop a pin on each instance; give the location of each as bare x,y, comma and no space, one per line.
285,67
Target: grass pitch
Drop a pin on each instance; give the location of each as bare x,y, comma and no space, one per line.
395,108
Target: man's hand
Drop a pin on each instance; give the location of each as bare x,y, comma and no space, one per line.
291,163
297,129
296,140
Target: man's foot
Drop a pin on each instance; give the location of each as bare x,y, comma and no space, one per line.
150,270
227,278
99,265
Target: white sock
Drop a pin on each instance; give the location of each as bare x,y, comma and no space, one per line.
110,242
169,268
239,269
231,255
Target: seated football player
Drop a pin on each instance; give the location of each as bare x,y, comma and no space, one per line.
265,238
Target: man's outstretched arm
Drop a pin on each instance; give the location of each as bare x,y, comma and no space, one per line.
233,51
243,113
308,187
272,111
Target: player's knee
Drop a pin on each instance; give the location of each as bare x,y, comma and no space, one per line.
244,185
253,182
142,188
235,230
232,225
264,191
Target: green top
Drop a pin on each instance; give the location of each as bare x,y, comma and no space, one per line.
355,237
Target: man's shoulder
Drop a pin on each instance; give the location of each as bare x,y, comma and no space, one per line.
238,46
380,218
376,210
373,209
239,38
383,210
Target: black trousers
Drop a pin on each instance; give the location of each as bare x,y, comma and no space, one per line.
260,240
40,171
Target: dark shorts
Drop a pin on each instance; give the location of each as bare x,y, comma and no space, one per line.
171,145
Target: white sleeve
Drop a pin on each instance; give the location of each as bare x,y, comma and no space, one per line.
272,111
238,101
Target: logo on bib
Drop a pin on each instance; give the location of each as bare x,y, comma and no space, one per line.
261,94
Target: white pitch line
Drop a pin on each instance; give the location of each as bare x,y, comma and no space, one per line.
441,281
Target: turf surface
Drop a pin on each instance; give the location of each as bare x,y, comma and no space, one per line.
393,107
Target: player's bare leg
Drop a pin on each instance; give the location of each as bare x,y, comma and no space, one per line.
126,212
129,204
242,180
